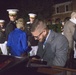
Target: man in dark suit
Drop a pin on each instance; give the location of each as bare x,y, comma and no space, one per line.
12,23
53,47
33,44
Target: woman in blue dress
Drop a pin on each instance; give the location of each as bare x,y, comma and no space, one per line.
17,40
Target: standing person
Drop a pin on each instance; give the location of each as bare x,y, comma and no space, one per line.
3,38
17,40
52,47
63,23
32,42
69,29
12,23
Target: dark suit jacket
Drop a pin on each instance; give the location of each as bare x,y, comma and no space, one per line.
31,39
9,28
55,50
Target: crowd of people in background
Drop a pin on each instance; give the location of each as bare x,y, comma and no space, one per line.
52,44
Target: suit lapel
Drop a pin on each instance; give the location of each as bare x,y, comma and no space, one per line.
49,40
51,37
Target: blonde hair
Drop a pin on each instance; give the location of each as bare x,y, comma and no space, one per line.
20,23
73,14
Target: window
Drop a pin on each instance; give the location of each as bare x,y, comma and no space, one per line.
66,8
57,10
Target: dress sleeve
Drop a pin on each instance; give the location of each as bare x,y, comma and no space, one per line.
24,41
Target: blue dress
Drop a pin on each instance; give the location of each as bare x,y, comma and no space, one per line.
17,41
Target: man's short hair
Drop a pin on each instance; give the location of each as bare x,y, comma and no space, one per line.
38,25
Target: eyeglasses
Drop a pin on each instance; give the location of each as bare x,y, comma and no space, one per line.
37,37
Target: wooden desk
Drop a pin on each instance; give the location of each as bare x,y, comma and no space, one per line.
55,70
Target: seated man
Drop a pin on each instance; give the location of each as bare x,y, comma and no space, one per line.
17,40
53,47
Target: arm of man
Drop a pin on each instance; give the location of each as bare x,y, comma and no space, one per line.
61,51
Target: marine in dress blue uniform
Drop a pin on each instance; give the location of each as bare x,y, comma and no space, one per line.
12,23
